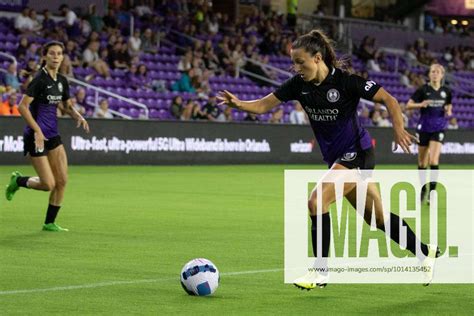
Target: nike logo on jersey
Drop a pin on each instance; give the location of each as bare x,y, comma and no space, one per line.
304,92
49,87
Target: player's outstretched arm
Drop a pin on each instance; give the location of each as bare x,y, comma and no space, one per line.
413,105
401,136
259,106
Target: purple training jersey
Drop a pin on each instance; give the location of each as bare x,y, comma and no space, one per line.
332,109
46,93
432,118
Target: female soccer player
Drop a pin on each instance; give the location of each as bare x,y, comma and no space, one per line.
42,141
330,97
434,101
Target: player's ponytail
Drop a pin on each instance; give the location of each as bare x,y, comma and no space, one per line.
317,42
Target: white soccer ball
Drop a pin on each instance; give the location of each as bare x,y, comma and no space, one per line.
200,277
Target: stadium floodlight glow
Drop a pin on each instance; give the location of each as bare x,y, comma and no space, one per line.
465,22
454,22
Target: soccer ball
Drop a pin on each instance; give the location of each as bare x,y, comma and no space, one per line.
200,277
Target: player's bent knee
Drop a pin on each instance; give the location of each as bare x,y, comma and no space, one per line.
48,185
60,183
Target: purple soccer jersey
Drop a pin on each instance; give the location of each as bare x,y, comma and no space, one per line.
432,118
332,109
47,93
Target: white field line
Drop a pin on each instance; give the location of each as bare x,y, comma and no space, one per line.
113,283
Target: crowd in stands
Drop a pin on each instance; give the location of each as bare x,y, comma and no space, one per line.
103,44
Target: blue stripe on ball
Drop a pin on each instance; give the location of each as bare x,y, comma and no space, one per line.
204,289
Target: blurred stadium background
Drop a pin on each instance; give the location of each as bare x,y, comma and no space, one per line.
145,75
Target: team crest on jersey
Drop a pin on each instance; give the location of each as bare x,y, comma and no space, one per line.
349,156
60,87
333,95
443,94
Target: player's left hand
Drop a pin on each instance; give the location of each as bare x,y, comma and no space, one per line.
448,110
404,140
82,122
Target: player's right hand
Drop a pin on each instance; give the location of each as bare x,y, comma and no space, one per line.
425,103
229,99
39,142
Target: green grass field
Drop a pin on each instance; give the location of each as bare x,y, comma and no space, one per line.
133,228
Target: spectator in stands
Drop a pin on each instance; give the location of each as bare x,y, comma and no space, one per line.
364,117
81,98
411,54
384,119
78,107
71,21
102,111
96,22
211,111
176,108
225,59
415,80
237,57
183,84
36,25
91,58
202,85
297,115
453,123
84,27
375,117
149,42
119,57
211,61
369,53
185,63
192,111
23,22
22,48
212,24
228,114
277,116
11,77
48,24
404,78
66,67
132,78
30,69
10,106
73,53
32,51
143,76
111,22
135,43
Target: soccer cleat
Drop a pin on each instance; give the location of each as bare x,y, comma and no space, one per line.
12,187
311,280
429,263
53,227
